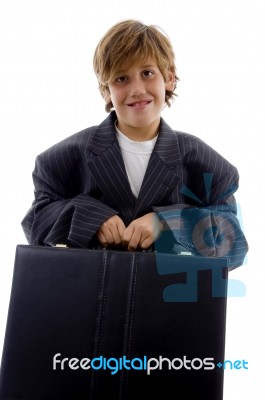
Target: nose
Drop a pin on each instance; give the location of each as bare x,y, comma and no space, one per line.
137,87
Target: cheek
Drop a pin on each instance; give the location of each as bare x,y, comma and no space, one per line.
162,94
160,89
116,96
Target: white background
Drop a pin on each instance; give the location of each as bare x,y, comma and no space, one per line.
48,91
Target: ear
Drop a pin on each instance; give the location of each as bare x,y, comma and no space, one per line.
108,102
106,96
170,83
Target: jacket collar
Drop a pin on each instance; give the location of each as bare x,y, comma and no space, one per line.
166,148
109,171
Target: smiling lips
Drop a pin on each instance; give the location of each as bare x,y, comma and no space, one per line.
139,104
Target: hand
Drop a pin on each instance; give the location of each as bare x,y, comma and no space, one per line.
142,232
111,231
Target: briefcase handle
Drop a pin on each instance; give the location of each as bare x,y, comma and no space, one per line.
149,250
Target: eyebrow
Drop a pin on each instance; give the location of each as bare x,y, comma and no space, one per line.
149,66
123,71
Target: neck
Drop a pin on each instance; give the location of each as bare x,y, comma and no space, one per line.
139,134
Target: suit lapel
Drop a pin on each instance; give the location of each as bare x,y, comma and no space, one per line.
108,168
160,179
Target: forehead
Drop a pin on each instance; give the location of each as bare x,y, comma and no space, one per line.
133,64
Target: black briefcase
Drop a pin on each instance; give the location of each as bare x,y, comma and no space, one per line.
107,325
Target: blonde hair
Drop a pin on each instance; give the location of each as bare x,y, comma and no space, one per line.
130,41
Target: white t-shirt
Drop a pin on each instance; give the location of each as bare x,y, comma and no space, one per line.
136,157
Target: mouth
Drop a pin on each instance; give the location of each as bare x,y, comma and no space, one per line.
139,104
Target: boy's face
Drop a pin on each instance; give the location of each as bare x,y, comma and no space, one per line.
138,96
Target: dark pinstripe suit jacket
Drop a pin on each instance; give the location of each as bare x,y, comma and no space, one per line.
81,182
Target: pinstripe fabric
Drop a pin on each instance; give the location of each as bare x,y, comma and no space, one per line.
81,182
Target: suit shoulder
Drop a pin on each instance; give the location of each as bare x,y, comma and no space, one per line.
188,140
73,143
197,152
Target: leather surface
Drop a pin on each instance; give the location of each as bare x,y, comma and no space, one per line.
88,303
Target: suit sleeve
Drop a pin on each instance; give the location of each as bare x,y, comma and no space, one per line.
58,215
207,222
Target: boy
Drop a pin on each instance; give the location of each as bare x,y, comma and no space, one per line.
132,181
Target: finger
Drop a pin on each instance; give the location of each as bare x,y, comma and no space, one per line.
102,239
107,234
116,235
135,240
117,230
127,234
121,228
113,229
146,242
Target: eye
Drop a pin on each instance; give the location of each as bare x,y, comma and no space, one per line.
121,79
147,73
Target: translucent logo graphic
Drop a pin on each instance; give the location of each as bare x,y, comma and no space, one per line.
209,237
